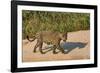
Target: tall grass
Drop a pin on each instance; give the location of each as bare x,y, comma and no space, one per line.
34,21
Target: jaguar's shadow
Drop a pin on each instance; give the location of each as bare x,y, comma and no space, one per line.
69,46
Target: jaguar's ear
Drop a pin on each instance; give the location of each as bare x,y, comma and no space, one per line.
65,34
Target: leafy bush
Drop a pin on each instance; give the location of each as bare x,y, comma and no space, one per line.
34,21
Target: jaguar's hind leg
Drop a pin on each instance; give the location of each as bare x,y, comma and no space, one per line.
37,44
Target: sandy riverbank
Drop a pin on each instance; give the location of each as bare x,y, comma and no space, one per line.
78,44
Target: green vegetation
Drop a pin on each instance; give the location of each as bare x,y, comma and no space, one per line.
34,21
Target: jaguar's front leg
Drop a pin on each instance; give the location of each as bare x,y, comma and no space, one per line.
59,48
54,49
